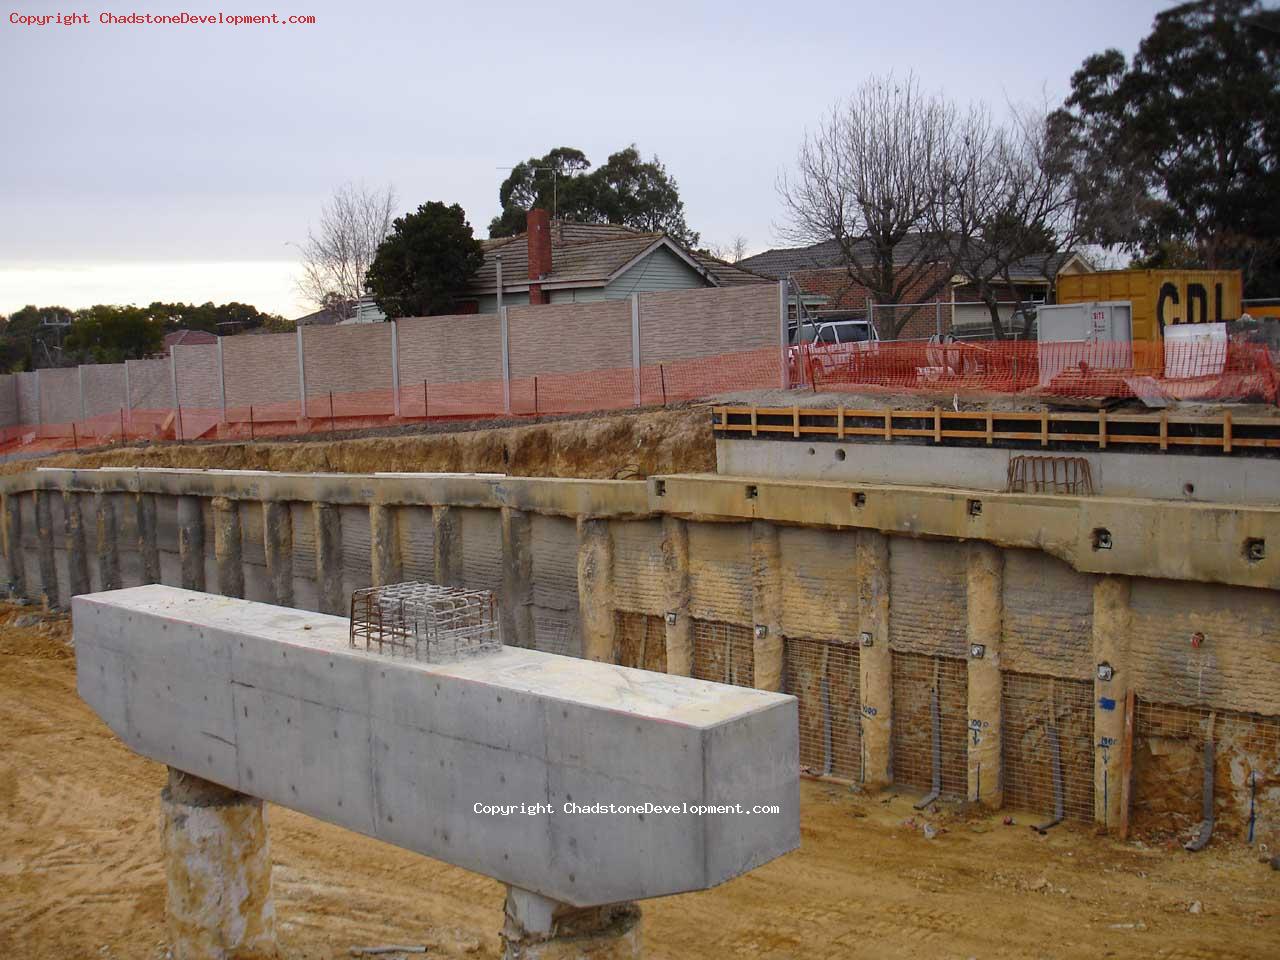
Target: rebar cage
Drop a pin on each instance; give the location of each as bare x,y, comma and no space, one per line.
425,621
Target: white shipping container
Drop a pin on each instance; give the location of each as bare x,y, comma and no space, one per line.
1067,331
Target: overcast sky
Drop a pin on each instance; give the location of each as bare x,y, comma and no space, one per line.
179,162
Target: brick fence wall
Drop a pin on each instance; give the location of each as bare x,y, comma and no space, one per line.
262,370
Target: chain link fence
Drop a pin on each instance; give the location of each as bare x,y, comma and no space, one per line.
823,677
1047,733
723,652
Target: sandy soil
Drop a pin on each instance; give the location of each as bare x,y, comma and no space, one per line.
80,873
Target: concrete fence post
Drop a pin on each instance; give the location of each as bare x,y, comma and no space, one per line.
39,402
173,377
675,583
128,396
1111,626
635,346
984,577
302,378
222,381
504,336
84,415
766,604
395,369
784,373
875,660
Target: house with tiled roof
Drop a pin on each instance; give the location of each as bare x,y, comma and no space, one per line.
828,290
556,261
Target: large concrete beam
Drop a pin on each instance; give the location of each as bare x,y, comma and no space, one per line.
274,703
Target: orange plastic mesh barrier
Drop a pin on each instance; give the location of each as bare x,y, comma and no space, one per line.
1211,371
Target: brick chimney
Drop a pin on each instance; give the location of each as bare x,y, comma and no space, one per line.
539,233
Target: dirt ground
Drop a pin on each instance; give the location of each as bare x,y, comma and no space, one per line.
80,874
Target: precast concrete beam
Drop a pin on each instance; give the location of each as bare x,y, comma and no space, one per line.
984,584
875,661
228,550
675,589
191,541
440,757
277,546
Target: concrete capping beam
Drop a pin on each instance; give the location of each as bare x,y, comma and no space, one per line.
603,499
1144,538
276,704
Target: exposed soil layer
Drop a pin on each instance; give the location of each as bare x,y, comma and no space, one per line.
80,871
610,446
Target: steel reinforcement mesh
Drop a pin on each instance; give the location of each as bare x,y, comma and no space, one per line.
1047,733
916,677
1168,771
723,652
823,676
639,640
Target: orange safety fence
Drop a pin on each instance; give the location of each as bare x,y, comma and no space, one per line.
1219,370
1207,370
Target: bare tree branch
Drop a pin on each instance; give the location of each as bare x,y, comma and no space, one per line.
337,254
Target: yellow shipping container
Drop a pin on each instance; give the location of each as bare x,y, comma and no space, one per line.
1160,297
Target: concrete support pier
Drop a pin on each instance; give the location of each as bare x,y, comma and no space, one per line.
384,545
13,545
875,662
277,546
517,578
191,542
447,527
45,547
107,520
595,589
675,584
1111,628
228,550
766,603
148,542
76,545
328,523
217,859
537,928
985,592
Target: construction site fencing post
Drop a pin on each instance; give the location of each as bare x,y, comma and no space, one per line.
302,379
395,369
635,345
784,378
504,332
222,381
173,383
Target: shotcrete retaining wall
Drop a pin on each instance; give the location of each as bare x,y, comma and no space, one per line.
860,600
